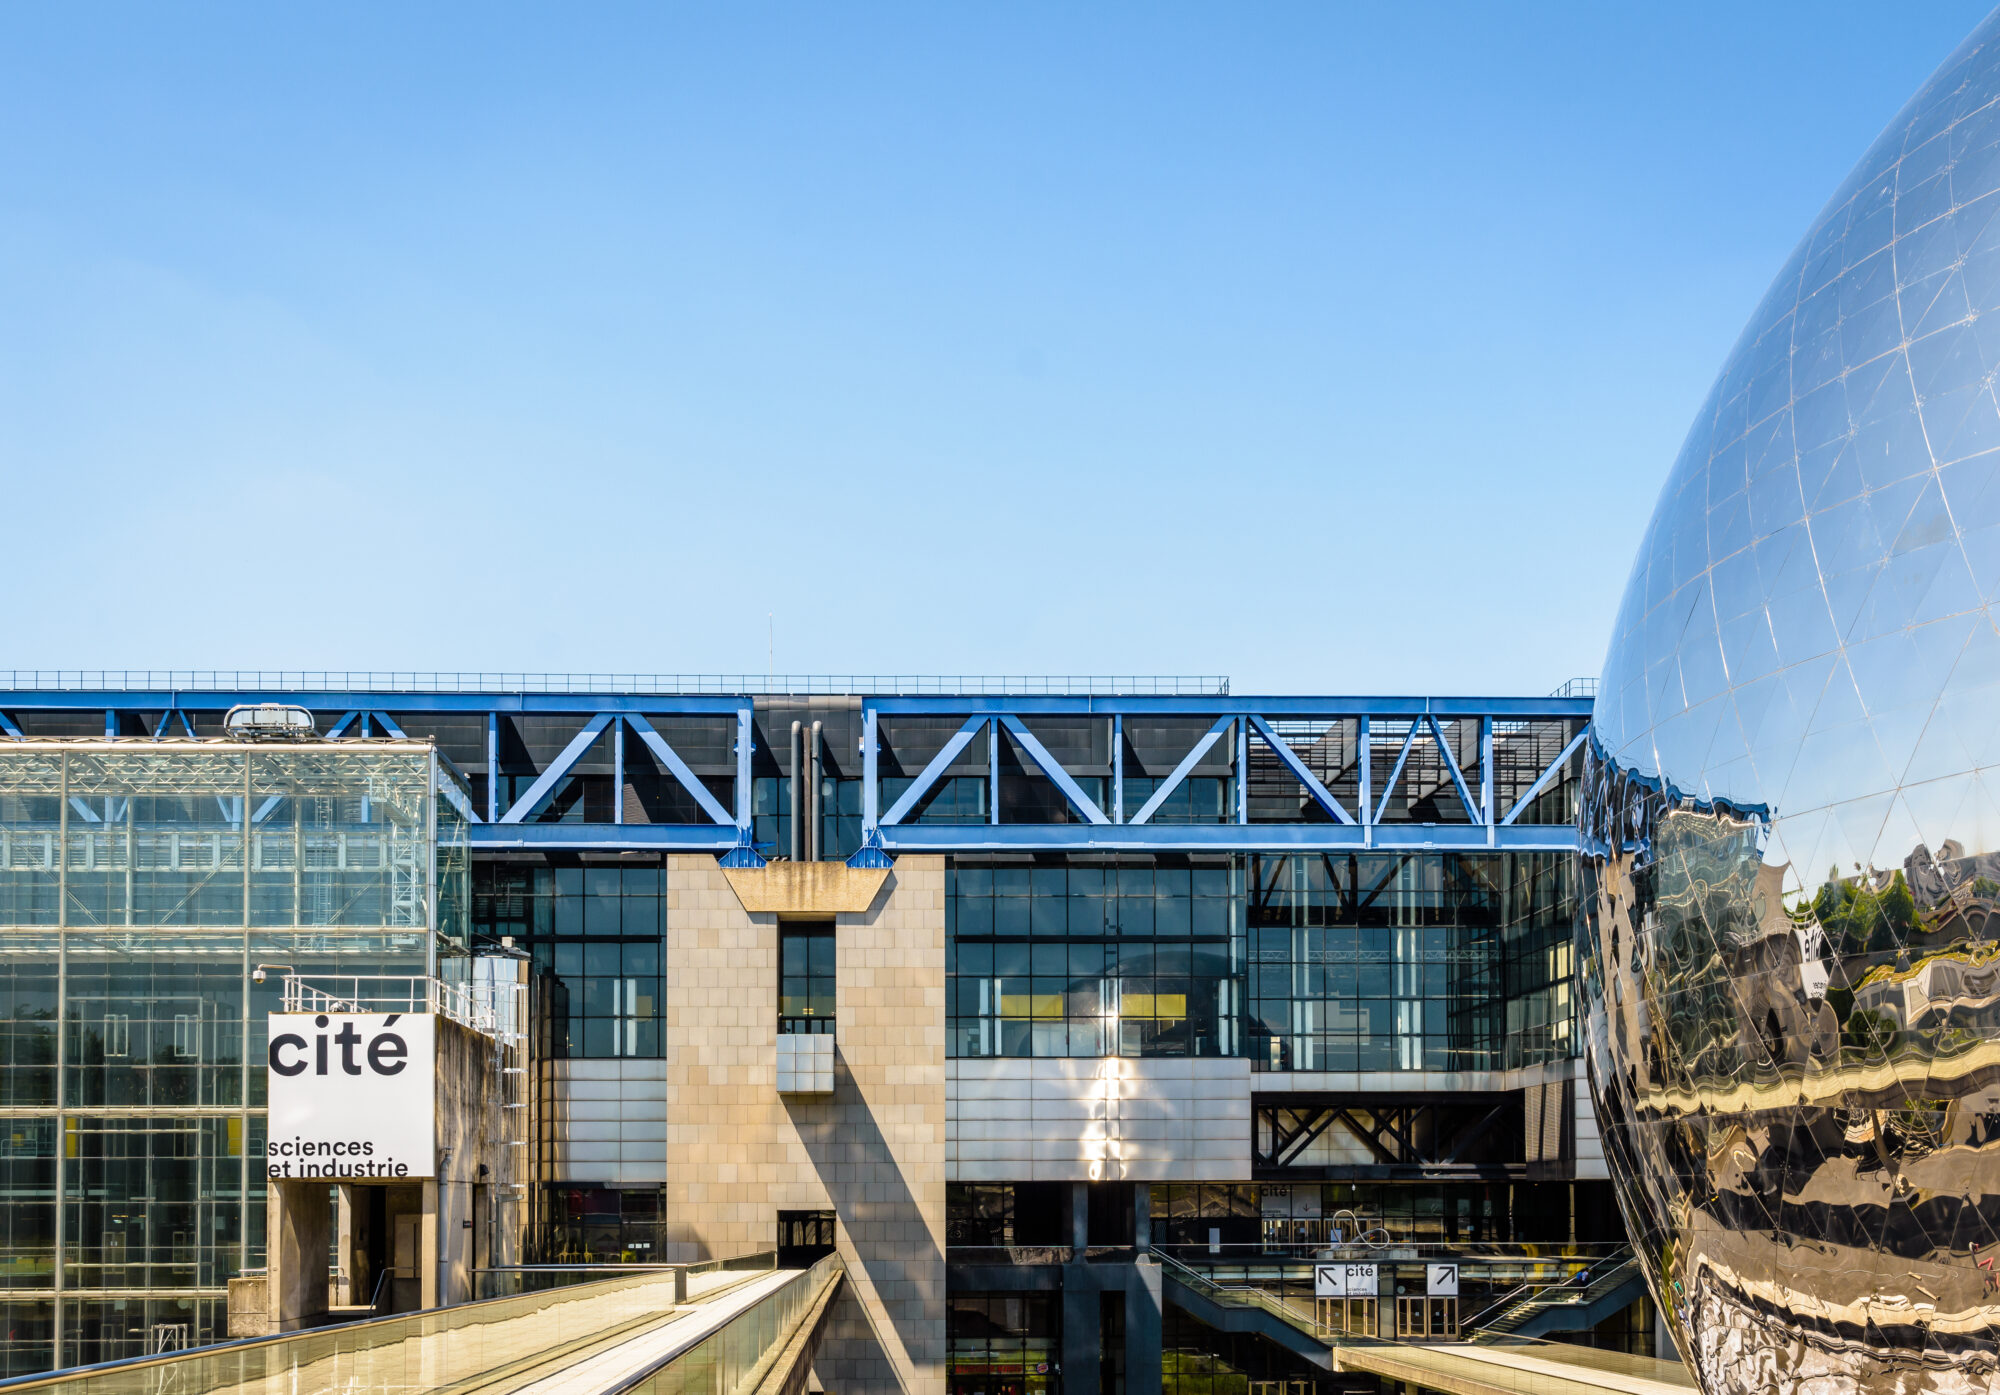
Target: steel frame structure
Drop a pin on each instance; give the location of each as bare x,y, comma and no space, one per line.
1238,720
620,718
1426,1135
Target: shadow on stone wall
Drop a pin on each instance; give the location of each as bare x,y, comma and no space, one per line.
894,1249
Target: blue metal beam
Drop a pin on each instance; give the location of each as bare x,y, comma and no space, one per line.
321,700
1052,768
1225,838
1486,770
1554,768
870,791
545,783
1472,809
1319,792
1180,772
678,768
1363,765
992,772
389,726
492,767
1117,767
1396,772
604,837
7,725
1273,706
340,727
746,744
618,770
939,764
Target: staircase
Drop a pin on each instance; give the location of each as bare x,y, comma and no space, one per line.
1573,1304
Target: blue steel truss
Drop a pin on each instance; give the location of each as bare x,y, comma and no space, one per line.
618,717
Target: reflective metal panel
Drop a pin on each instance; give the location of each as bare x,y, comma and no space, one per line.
1792,805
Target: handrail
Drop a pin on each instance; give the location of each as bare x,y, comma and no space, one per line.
1597,1275
1240,1296
596,1307
741,1350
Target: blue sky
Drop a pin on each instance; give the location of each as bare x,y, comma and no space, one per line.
1334,349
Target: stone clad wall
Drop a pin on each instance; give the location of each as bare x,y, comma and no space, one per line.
873,1151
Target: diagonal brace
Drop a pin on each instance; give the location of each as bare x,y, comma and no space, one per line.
666,755
1395,773
1322,796
545,783
935,770
1180,772
1542,780
1052,768
1472,809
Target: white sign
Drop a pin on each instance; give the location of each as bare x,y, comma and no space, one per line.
353,1096
1441,1280
1345,1281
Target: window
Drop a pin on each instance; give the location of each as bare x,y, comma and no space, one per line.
1138,957
595,931
805,979
1009,1342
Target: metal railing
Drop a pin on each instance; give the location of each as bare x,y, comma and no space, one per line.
1580,1288
505,1280
413,1352
632,684
742,1354
476,1005
1244,1296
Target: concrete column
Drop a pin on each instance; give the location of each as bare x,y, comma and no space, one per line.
1142,1329
1079,1216
298,1232
1081,1338
1142,1217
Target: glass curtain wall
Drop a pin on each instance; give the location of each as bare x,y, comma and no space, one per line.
596,933
1302,962
140,885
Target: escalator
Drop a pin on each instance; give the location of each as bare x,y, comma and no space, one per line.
1471,1361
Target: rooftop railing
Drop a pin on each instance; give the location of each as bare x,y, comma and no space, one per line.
632,684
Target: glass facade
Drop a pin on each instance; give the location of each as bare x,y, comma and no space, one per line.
1004,1343
140,885
1791,801
1133,957
1301,962
597,934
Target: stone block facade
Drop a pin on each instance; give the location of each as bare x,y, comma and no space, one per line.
872,1151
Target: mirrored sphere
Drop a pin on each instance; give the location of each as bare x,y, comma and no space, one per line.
1791,815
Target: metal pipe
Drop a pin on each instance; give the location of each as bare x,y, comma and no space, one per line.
796,845
813,760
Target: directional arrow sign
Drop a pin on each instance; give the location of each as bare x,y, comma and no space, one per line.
1441,1280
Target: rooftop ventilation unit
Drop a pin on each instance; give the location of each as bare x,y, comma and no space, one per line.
269,721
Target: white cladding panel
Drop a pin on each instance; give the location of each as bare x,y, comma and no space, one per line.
1097,1119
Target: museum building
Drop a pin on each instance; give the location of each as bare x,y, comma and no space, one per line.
1044,1003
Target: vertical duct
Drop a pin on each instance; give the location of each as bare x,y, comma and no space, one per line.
797,848
812,793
